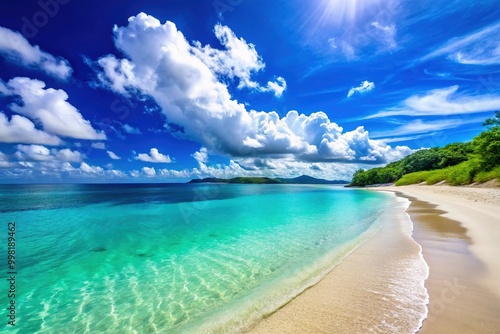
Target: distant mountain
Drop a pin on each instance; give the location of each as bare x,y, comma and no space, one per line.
304,179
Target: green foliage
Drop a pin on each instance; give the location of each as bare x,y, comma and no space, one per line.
494,121
487,147
422,160
457,164
486,176
463,173
413,178
253,180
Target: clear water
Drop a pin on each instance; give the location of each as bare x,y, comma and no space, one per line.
172,258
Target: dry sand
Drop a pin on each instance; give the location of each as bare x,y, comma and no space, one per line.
372,291
459,230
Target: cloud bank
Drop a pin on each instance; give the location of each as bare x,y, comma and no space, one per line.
188,82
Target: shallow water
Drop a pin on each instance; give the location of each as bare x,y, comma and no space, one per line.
173,258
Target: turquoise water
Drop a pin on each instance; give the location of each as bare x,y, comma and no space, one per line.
172,258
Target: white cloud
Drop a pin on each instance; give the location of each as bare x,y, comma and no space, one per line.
478,48
4,161
445,101
99,146
201,155
419,126
131,130
113,155
87,169
67,155
354,42
238,60
42,153
277,87
149,172
386,34
33,153
4,90
53,169
17,48
154,156
364,87
344,47
273,168
184,81
50,108
21,130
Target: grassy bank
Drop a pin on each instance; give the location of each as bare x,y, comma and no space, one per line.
457,163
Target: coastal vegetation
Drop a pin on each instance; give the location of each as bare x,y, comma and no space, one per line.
457,163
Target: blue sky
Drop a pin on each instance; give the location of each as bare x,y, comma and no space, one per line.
149,91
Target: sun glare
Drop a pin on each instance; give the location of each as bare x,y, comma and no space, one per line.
342,11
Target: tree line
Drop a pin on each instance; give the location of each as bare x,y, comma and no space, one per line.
480,155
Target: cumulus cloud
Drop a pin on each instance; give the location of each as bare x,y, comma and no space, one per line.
134,173
113,155
33,152
99,146
149,172
87,169
4,161
478,48
42,153
154,156
21,130
131,130
52,165
50,108
287,168
184,80
239,60
67,155
201,155
16,48
364,87
277,87
443,101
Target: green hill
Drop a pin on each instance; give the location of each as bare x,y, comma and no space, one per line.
457,163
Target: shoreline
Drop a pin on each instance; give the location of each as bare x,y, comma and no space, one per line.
457,230
368,291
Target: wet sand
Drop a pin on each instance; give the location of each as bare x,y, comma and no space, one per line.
463,283
378,288
459,231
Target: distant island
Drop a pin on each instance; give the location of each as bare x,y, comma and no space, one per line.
304,179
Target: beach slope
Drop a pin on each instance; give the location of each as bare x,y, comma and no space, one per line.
459,231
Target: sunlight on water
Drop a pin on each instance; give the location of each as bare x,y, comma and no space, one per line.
165,258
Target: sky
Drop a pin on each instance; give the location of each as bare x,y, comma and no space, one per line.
166,91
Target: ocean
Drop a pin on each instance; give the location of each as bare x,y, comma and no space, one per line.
172,258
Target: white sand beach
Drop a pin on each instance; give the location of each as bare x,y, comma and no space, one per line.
458,231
